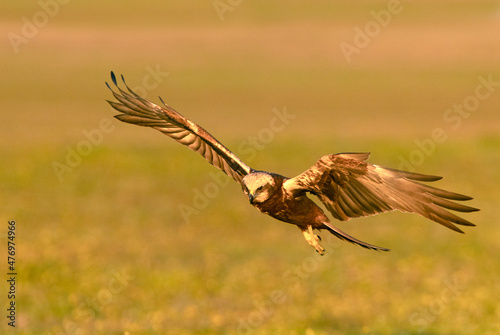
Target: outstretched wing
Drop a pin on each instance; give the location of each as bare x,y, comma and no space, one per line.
139,111
349,187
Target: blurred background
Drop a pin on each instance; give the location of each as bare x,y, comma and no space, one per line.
120,230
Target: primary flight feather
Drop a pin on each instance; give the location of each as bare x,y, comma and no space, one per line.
345,183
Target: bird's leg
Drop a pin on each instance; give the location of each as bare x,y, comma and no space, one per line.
313,240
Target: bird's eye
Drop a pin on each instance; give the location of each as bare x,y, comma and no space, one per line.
260,188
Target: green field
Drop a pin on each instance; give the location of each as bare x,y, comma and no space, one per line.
104,244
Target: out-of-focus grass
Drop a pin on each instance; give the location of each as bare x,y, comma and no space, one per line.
118,212
106,250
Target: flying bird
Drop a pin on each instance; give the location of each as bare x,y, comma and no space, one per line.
345,183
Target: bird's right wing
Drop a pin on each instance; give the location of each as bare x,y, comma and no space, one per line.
139,111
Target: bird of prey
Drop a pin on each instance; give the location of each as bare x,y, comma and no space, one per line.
345,183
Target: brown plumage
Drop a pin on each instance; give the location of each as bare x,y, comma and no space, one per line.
346,184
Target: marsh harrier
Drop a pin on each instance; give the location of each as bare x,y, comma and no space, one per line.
345,183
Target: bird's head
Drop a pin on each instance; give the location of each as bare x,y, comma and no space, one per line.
257,186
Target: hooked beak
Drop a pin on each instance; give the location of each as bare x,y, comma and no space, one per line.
251,198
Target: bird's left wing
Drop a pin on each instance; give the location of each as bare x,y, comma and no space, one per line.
350,187
139,111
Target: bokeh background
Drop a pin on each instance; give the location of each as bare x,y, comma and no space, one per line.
120,230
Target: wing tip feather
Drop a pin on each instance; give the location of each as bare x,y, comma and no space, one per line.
113,78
